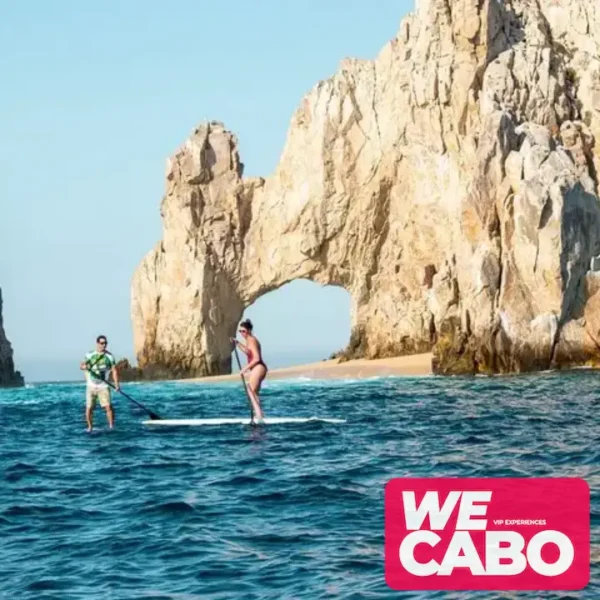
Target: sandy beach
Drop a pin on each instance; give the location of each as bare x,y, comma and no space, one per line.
416,365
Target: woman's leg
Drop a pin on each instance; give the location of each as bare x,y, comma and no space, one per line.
257,375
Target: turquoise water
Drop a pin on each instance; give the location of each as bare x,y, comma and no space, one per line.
288,511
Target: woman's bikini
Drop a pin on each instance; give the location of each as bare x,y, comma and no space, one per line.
260,362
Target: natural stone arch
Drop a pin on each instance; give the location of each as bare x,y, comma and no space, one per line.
451,193
228,241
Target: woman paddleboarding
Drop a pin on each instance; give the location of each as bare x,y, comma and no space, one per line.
256,366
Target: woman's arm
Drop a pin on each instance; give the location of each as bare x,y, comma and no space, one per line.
242,347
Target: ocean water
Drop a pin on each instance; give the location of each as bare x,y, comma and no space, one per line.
286,511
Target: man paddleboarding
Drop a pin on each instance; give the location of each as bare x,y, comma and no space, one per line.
97,365
256,366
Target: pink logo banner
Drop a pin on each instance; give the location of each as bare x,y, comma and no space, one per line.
487,534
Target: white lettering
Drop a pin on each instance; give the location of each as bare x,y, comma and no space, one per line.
534,553
461,542
407,553
514,552
430,505
468,510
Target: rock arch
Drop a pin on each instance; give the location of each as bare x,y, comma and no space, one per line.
451,193
227,241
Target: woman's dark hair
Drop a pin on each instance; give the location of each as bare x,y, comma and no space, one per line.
247,324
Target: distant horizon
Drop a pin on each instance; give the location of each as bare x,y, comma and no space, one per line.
291,362
281,360
270,308
105,98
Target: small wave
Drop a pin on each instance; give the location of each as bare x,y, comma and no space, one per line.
165,465
42,585
272,497
32,510
240,480
473,439
287,539
177,506
17,402
21,469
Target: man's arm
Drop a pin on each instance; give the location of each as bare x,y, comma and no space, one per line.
115,375
84,366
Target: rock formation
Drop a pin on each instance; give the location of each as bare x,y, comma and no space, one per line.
450,185
8,376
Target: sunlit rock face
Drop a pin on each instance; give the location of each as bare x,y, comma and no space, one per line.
450,186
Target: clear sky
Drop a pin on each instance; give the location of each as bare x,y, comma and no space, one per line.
95,97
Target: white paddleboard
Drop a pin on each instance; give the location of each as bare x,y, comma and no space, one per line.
238,421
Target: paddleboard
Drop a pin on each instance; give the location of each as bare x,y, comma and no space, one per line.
238,421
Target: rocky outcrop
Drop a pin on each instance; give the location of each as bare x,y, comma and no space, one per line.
128,372
8,376
450,185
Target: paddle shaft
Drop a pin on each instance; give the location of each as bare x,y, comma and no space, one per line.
153,415
244,382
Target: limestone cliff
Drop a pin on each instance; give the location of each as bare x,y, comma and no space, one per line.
450,186
8,376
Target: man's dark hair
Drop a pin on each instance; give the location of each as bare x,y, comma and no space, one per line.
100,338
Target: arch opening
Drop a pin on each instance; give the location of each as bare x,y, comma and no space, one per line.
301,322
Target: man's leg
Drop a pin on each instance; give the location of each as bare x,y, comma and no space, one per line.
110,415
105,403
89,409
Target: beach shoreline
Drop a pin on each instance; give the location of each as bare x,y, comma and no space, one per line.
416,365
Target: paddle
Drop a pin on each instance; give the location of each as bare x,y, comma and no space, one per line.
153,415
244,382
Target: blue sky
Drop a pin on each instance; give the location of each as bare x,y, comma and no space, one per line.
95,97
